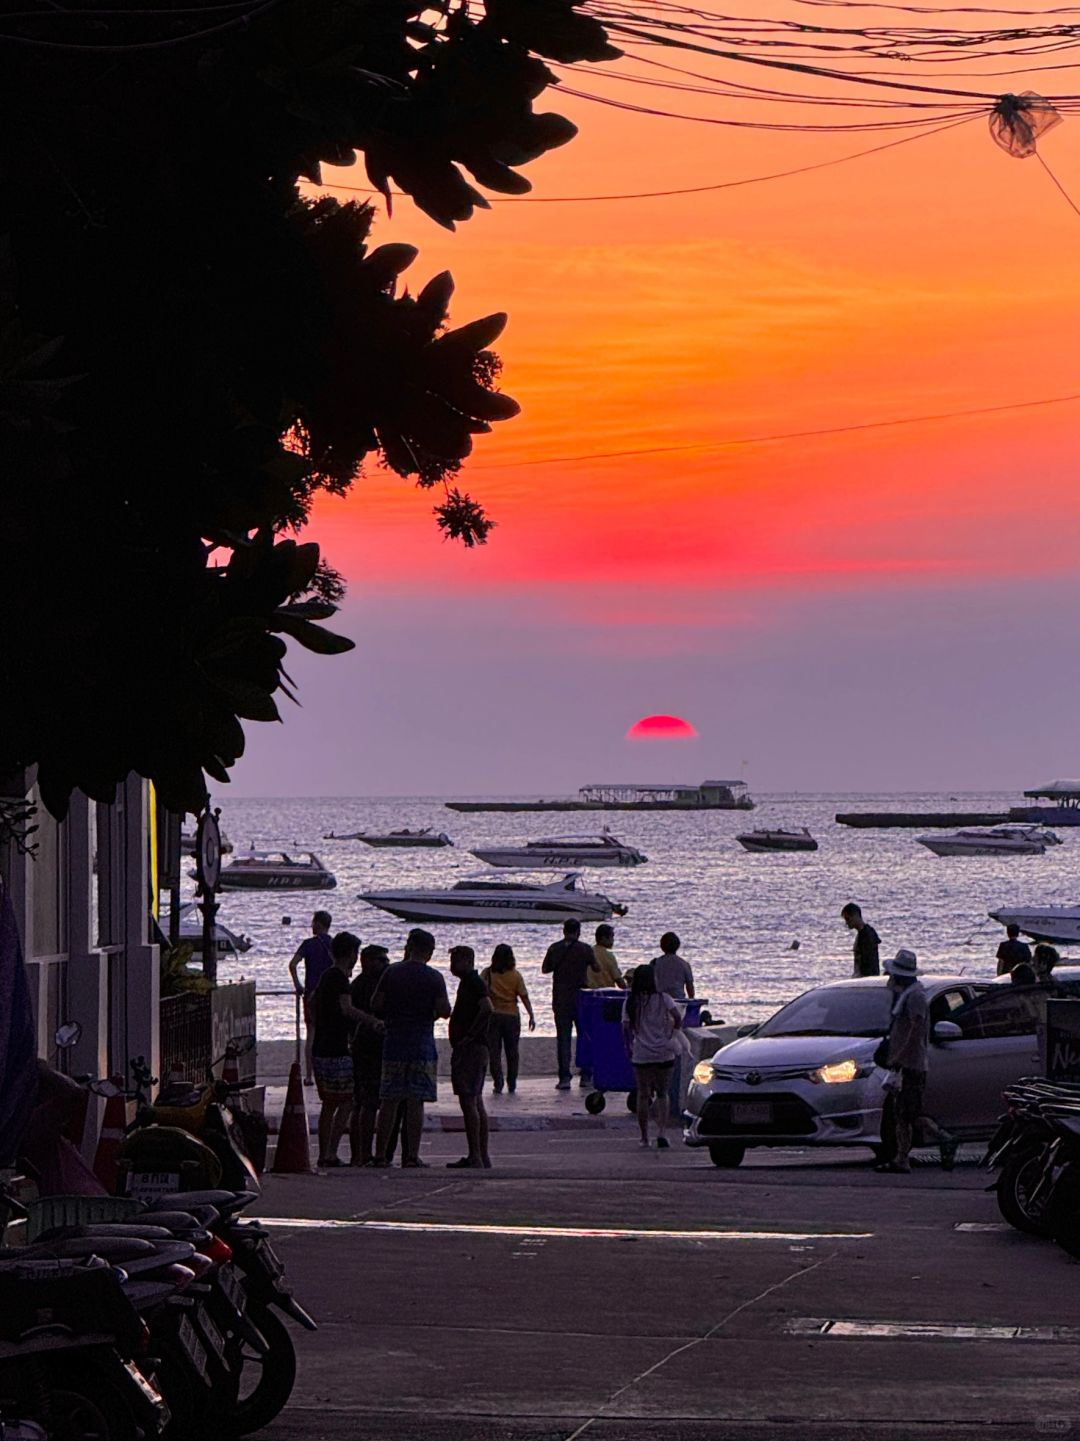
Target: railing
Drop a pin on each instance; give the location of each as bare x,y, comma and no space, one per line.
186,1035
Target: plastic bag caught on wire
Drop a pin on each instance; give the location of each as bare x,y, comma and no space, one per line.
1018,121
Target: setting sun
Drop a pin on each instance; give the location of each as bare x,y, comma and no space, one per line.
661,728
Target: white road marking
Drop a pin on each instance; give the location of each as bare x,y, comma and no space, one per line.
929,1330
561,1233
982,1226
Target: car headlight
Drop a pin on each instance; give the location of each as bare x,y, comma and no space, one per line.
838,1073
703,1072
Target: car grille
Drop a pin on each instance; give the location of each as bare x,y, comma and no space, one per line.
788,1073
789,1116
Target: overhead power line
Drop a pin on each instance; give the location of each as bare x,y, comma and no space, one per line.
706,446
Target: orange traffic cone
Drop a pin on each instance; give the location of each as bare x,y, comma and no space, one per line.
293,1157
112,1136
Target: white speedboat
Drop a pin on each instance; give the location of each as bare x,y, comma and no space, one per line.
277,871
991,841
556,852
482,900
1060,925
403,839
778,840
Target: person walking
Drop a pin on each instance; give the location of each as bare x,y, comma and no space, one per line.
314,952
650,1019
506,987
904,1053
414,999
469,1022
1012,951
867,941
607,973
365,994
331,1052
568,962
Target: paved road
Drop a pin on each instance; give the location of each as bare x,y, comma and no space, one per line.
585,1288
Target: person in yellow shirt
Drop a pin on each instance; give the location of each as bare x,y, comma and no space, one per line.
609,973
506,987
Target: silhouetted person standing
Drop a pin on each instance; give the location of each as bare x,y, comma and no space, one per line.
1012,952
568,963
414,999
867,941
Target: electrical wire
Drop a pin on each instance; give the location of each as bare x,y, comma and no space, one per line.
707,446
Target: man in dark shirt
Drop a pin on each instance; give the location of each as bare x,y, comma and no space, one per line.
867,941
1012,952
469,1055
415,998
568,963
334,1016
367,1048
315,955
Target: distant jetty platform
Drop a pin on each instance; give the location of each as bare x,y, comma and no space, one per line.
709,796
925,820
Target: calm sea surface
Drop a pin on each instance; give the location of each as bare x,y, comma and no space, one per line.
738,914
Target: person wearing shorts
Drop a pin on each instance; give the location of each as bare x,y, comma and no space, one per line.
469,1055
650,1020
414,998
314,953
334,1017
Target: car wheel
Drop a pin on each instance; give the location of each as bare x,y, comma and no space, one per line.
727,1154
883,1153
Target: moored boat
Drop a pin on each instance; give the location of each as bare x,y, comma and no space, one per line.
557,852
401,839
483,900
778,840
277,871
991,841
1060,925
190,932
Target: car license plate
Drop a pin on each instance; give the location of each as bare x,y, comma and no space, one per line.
193,1348
152,1185
751,1113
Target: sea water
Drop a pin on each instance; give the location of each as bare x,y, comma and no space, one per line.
757,929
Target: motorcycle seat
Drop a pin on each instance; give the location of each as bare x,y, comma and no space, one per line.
225,1202
112,1229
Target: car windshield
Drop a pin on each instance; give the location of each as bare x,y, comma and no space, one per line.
833,1011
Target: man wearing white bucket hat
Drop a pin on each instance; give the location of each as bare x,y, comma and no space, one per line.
905,1056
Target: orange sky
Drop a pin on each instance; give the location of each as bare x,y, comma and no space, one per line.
940,275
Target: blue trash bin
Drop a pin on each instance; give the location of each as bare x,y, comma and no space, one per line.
600,1013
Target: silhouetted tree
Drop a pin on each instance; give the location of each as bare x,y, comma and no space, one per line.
190,351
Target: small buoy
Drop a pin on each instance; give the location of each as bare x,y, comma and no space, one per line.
286,920
794,946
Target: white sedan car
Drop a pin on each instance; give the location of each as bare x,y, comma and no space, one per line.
806,1076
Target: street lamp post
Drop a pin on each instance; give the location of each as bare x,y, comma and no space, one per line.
208,876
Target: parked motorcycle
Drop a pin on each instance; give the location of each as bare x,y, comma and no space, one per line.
72,1353
1023,1150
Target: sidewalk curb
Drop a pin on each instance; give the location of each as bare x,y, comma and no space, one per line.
441,1122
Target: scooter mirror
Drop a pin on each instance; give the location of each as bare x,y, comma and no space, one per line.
67,1036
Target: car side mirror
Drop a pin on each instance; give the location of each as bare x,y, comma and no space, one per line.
747,1030
67,1036
947,1031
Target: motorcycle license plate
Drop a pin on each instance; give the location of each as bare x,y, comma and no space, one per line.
212,1336
193,1348
751,1113
233,1289
265,1252
152,1185
148,1389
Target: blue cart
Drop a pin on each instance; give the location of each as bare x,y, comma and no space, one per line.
600,1034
